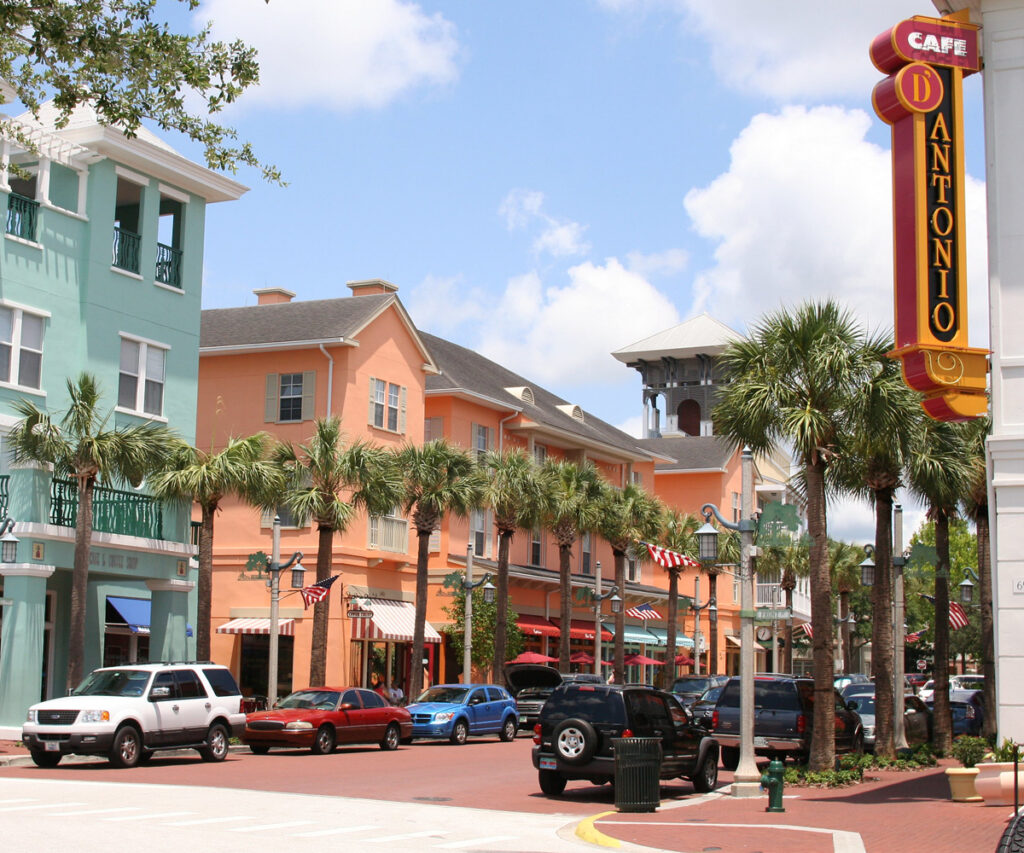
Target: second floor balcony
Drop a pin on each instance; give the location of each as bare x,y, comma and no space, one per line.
22,213
113,510
389,534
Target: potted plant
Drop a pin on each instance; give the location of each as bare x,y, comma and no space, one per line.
968,751
994,782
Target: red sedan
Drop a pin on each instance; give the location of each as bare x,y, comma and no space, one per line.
319,718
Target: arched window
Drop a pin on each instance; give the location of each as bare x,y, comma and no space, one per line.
688,417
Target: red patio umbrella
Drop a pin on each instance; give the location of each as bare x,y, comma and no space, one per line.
533,657
642,660
584,658
683,660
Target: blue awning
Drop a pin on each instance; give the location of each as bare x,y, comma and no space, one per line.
135,613
661,638
633,634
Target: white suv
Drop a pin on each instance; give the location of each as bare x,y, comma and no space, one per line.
127,712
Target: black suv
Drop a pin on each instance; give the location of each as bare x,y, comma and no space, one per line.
689,688
578,723
531,684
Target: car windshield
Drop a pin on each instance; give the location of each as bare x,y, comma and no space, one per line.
862,703
113,682
712,694
691,685
322,700
456,695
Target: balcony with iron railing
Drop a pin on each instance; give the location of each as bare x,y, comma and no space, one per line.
113,510
126,250
5,487
22,213
389,534
168,265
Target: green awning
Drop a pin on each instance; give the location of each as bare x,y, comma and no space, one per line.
661,636
633,634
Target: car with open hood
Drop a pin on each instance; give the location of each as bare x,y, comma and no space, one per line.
531,684
456,711
321,718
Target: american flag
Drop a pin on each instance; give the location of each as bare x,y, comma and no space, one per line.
913,638
957,615
806,628
643,611
669,559
317,592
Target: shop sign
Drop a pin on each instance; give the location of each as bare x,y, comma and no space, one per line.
922,99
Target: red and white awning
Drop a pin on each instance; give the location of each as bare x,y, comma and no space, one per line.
391,620
285,627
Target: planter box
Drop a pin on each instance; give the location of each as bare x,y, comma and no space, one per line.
961,784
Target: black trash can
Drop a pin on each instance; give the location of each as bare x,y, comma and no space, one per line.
637,773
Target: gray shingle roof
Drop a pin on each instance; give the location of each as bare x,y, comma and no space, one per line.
319,319
690,452
465,370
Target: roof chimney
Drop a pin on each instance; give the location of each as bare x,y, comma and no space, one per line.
372,287
273,295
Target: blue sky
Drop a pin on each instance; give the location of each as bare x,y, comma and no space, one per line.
549,180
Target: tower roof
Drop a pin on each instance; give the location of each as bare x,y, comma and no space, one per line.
700,334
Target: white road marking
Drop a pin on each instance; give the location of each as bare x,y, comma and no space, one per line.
261,827
19,800
97,811
202,820
842,841
430,833
150,816
472,842
40,806
338,830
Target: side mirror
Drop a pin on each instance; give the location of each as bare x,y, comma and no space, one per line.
345,706
852,705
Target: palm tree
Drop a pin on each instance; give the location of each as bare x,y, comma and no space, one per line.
845,560
572,506
240,469
976,508
940,472
438,480
328,481
885,413
81,444
512,489
626,516
787,561
679,534
791,383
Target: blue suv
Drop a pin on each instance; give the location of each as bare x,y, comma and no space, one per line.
456,711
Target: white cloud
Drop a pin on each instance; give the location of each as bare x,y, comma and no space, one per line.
564,335
669,262
440,305
632,426
799,49
804,212
523,208
340,55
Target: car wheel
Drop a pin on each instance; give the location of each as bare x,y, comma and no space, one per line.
706,777
323,743
730,757
391,737
146,756
45,759
575,741
216,748
552,783
126,748
259,748
460,731
509,729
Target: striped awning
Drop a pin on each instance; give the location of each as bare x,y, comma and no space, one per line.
632,634
536,626
391,620
580,629
661,635
285,627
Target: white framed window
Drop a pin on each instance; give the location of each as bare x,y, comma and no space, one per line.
638,478
483,440
536,547
585,553
21,347
735,507
389,532
632,569
290,397
735,589
540,454
140,386
387,405
479,521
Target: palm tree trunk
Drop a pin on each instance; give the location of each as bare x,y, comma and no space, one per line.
564,605
943,727
670,625
713,625
501,615
422,558
80,582
823,744
988,651
619,659
321,609
204,590
881,626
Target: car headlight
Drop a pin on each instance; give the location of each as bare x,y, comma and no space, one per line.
94,717
33,716
443,716
300,725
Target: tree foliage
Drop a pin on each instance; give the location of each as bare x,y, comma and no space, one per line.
485,619
119,58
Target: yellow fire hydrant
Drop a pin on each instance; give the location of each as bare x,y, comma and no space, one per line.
773,780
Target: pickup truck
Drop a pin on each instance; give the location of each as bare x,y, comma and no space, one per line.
783,716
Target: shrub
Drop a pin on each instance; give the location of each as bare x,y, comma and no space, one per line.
1004,752
969,750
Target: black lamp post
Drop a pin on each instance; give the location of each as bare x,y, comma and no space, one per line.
966,586
867,567
599,597
274,582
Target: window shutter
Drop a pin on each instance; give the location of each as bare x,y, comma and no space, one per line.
489,527
308,395
401,411
490,438
373,387
272,409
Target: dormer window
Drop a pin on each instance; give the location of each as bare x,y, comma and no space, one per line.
574,412
522,392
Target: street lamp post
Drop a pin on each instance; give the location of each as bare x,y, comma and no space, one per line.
747,778
899,731
712,606
598,598
274,582
467,637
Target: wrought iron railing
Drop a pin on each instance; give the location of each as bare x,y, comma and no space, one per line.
389,534
5,484
113,511
168,265
126,249
21,216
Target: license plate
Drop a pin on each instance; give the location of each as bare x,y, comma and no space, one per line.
51,746
522,718
548,764
761,741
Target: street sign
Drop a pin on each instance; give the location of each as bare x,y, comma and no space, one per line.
922,665
359,613
767,614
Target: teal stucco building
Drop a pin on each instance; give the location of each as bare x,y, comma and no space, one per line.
100,270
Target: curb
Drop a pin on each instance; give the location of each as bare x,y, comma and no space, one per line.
26,760
587,832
